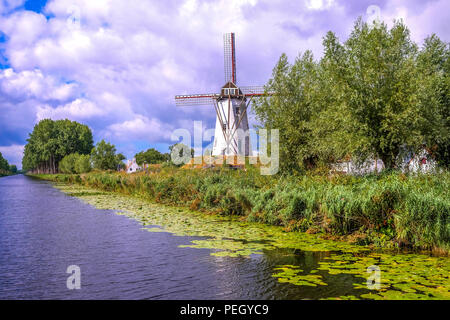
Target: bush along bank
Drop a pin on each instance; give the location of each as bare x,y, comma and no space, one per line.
386,210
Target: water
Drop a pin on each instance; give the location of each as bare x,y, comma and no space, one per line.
43,231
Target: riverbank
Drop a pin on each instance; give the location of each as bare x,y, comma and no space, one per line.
390,210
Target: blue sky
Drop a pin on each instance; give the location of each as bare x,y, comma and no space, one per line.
116,65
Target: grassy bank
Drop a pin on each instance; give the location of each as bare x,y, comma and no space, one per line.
385,210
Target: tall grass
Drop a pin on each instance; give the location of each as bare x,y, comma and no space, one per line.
409,210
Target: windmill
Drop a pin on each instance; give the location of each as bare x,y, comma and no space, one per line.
231,136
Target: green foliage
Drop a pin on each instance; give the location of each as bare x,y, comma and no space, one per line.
13,169
4,165
67,164
151,156
51,141
384,209
376,71
374,96
104,156
75,163
83,163
434,95
420,209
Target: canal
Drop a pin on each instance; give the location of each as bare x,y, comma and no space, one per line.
44,230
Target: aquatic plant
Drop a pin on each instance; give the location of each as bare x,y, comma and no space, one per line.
385,210
403,276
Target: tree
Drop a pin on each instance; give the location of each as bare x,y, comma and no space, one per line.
376,71
120,157
291,108
434,97
150,156
13,169
4,165
75,163
50,141
104,156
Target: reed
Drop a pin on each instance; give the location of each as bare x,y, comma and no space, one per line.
386,209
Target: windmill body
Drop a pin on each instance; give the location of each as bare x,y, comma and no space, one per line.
231,124
231,135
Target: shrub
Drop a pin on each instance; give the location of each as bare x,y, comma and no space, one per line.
67,164
83,164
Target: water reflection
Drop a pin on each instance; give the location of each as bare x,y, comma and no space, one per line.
43,231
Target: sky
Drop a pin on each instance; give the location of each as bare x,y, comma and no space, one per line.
116,65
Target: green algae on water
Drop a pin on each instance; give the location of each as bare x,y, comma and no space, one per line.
403,276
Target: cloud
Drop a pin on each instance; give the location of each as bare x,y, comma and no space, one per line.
140,128
33,84
116,65
319,4
79,109
13,154
8,5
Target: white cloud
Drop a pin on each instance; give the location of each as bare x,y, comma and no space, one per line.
432,18
33,84
319,4
8,5
79,109
13,154
140,128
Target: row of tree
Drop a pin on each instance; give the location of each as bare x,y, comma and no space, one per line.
50,141
377,95
67,146
5,167
102,157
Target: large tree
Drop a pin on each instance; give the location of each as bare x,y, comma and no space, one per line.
104,156
434,96
50,141
291,108
376,71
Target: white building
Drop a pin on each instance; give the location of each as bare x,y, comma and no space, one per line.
421,162
132,166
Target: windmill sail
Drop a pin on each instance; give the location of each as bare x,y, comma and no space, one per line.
196,99
229,57
255,91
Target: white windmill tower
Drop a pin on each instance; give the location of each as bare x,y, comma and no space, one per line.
231,135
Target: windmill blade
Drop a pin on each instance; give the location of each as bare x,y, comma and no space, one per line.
196,99
229,47
255,91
